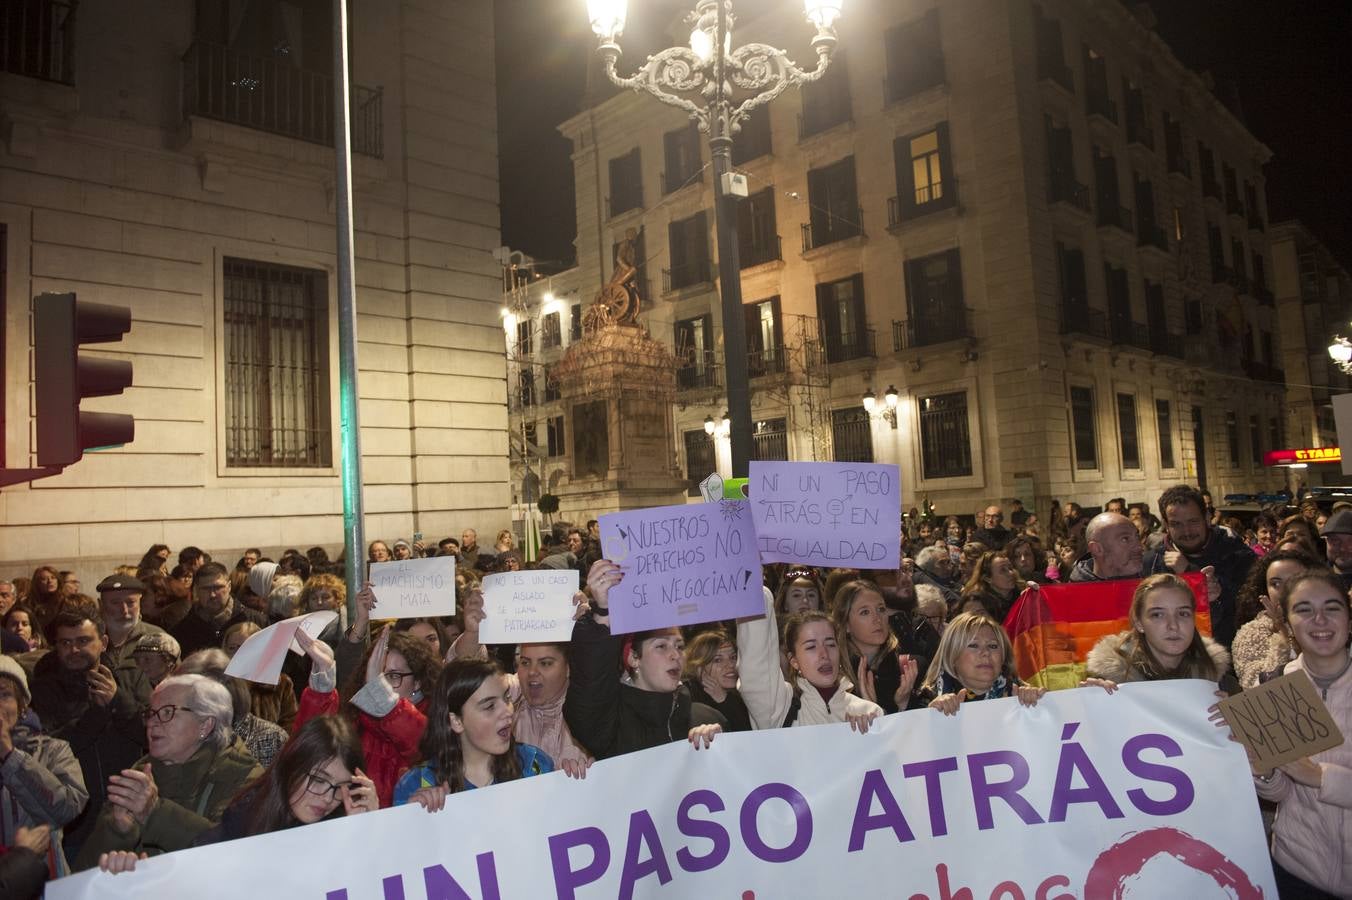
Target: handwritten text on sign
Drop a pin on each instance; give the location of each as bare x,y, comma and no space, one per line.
525,607
682,565
1281,720
1139,803
827,514
409,588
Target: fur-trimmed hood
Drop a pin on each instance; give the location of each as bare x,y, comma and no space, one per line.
1105,660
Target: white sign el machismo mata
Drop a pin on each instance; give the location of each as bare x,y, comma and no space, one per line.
528,607
1086,795
409,588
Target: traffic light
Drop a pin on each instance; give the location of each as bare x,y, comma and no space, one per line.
62,377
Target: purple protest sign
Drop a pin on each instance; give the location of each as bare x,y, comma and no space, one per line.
827,514
682,565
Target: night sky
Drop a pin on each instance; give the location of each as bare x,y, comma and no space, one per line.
1286,64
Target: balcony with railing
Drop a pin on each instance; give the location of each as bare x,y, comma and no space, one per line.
700,271
1121,330
768,249
1167,344
1063,188
37,39
1098,103
845,346
1254,219
1076,318
1150,234
766,361
1210,186
951,324
699,372
273,96
830,229
1052,67
1138,132
1260,371
928,198
1177,162
1112,215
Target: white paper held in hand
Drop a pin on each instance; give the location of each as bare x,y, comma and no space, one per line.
260,658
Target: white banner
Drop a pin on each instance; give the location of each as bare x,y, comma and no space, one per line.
1084,796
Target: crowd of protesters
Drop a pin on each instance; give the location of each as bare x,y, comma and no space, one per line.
121,736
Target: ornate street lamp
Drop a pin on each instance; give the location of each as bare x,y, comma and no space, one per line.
719,87
1340,351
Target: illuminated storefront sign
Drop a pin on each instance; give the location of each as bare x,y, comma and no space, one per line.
1302,457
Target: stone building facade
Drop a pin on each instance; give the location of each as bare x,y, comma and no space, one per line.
1027,218
1314,295
177,160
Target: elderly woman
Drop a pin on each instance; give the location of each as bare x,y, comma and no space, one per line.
194,768
40,779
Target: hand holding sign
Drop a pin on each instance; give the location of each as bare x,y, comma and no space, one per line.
410,588
1281,721
680,565
827,514
260,657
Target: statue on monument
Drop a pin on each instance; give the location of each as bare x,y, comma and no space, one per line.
619,301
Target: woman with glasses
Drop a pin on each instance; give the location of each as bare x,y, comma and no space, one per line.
1314,794
317,777
469,742
181,788
385,700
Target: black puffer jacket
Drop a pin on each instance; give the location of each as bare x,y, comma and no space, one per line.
1231,559
609,717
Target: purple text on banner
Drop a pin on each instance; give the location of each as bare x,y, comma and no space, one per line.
827,514
682,565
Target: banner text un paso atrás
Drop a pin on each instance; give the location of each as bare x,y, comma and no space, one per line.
1083,796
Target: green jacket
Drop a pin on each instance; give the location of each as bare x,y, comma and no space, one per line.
192,798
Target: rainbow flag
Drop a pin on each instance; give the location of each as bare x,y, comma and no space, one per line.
1054,628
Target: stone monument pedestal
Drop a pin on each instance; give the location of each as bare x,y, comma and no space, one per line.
619,387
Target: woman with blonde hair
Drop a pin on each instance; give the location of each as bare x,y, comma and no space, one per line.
975,661
711,675
869,649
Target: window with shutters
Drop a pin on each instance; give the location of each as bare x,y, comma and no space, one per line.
554,443
684,166
276,366
753,141
688,244
840,312
934,300
826,101
833,205
764,337
626,182
694,341
1082,426
915,57
1128,436
757,235
1164,428
851,435
925,180
550,334
700,462
575,322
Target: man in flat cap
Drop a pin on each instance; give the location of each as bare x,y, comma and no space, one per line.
120,606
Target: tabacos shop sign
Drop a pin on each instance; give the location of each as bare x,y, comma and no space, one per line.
1303,457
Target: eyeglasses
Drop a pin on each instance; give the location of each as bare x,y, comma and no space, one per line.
322,787
397,678
165,714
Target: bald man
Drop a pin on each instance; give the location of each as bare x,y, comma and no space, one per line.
1114,549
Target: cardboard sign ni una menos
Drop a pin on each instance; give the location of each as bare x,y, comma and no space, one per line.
1280,721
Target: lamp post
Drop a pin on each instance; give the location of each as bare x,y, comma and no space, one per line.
1340,351
719,87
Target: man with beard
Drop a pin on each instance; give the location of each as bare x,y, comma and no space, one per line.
1192,545
120,604
935,567
84,697
1337,534
1114,550
542,673
214,611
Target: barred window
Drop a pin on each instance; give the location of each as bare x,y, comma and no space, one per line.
276,366
852,435
945,438
770,440
699,459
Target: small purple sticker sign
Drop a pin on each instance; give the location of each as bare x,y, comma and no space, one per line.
827,514
682,565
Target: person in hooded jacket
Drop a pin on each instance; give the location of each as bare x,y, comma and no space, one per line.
40,779
648,706
1163,641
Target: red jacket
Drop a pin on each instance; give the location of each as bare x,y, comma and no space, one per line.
390,745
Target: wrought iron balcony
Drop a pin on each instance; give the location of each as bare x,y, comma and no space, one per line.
1138,132
849,345
950,325
767,361
1122,330
699,372
1148,234
1076,318
1100,104
1114,216
37,39
1063,188
1167,344
1055,70
272,95
687,275
768,249
830,229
